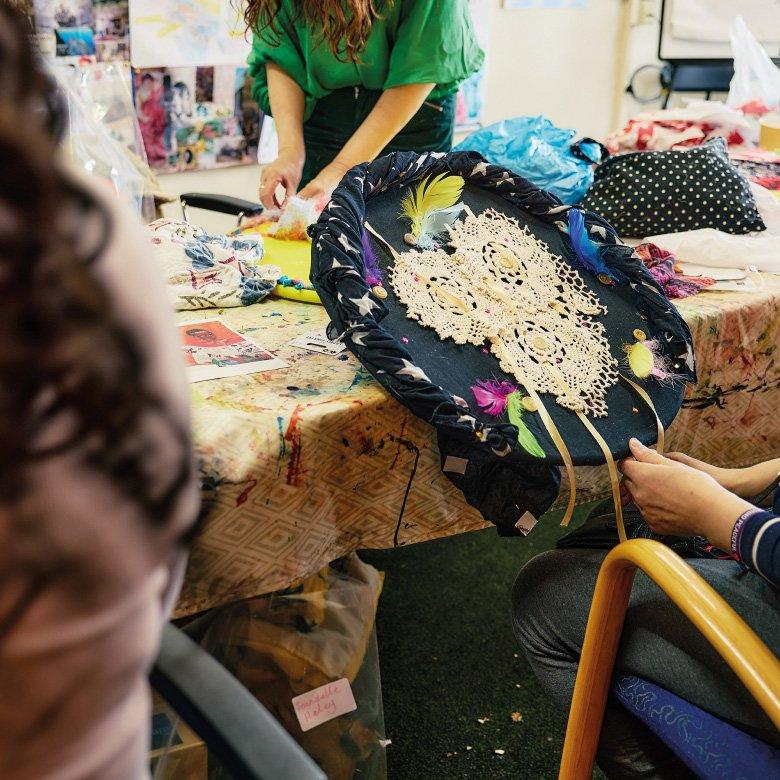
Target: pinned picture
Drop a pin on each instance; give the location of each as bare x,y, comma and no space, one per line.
213,350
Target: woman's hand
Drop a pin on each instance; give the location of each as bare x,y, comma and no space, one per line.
286,170
678,499
321,187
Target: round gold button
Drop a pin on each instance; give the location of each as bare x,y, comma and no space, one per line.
640,335
529,404
604,279
380,292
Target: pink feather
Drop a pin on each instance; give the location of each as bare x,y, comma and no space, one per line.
491,395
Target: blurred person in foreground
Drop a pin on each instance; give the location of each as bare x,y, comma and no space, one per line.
97,488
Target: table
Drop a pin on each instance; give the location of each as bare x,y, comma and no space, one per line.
308,463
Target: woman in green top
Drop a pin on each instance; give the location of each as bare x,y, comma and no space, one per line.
346,80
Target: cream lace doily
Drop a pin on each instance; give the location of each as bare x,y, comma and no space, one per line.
502,285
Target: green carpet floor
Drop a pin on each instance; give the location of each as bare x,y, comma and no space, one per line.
456,687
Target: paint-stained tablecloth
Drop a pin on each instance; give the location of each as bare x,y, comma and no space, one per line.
304,464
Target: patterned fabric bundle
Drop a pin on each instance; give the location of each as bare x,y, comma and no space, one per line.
663,266
204,271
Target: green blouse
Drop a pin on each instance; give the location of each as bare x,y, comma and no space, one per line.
416,42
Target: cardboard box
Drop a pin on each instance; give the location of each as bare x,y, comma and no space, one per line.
177,753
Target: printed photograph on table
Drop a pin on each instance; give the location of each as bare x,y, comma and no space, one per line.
196,118
213,350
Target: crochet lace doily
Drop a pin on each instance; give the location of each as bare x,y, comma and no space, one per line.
502,285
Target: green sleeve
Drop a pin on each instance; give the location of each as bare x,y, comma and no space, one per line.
281,48
434,43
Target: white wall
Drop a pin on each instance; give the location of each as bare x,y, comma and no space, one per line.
240,182
557,62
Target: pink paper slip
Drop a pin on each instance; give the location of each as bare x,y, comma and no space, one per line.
324,703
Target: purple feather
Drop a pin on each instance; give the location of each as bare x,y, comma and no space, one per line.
372,272
491,395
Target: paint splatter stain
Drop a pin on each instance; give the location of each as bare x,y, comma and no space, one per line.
295,470
244,495
404,339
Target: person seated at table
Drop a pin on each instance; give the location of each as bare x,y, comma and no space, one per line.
680,496
97,488
348,80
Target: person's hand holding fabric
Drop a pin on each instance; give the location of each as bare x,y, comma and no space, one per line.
320,188
678,499
286,171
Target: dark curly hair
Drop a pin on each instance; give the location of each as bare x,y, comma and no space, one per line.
64,354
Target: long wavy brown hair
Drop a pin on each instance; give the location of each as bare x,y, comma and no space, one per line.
64,354
344,24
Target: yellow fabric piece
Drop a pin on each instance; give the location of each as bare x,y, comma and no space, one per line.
294,260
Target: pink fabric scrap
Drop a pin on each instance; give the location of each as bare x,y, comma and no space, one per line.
663,268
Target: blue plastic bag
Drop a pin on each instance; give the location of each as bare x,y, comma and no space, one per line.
541,152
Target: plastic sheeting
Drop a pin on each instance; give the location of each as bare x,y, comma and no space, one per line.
318,631
102,129
541,152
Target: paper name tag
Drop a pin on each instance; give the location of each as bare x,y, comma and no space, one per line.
526,524
324,703
317,341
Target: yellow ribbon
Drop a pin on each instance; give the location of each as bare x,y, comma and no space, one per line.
562,449
649,401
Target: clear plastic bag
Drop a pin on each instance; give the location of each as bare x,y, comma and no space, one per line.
91,143
541,152
291,642
756,78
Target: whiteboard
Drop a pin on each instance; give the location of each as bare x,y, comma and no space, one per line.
699,29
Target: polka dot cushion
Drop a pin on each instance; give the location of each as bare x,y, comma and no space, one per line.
648,193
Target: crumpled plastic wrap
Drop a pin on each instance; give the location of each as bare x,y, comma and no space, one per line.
92,144
315,632
538,150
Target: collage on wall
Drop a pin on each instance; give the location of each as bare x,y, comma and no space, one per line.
192,112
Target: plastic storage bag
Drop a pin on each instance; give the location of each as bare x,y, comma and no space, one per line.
756,78
91,144
309,635
541,152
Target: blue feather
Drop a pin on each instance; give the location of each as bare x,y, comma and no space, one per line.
586,249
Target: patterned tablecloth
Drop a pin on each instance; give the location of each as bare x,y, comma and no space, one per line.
307,463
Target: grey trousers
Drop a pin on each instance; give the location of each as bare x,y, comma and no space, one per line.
551,601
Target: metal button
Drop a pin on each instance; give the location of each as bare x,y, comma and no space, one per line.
380,292
640,335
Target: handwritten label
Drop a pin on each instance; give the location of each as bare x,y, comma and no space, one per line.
526,524
324,703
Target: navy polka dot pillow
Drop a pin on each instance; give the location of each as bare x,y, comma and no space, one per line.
646,193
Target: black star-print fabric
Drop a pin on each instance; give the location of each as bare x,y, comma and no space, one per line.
499,480
649,193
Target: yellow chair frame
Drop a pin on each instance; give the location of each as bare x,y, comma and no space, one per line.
752,661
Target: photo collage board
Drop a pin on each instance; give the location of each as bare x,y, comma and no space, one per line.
192,115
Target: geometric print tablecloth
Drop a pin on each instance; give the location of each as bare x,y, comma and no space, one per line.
305,464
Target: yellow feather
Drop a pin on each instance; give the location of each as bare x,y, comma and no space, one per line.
439,192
